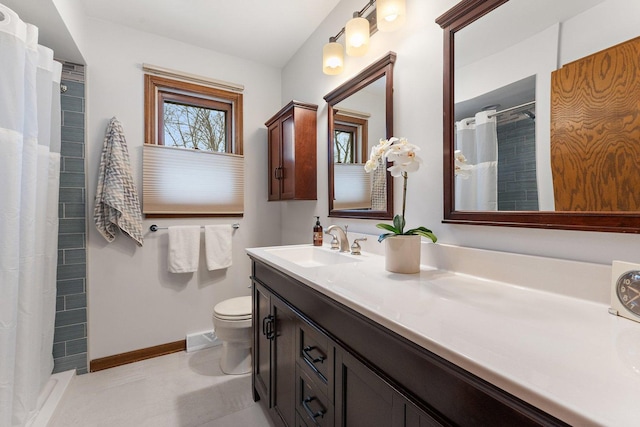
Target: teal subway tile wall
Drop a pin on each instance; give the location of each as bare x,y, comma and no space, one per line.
70,338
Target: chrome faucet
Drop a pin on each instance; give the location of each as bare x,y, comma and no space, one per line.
341,234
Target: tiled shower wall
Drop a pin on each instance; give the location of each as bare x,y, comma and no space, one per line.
517,183
70,338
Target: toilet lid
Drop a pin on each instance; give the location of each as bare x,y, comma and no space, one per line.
234,309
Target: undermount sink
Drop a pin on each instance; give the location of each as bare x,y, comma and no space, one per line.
312,256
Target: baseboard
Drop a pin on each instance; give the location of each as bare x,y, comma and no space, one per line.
136,355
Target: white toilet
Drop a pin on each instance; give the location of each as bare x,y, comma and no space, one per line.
232,324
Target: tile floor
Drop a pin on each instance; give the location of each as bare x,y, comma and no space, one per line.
177,390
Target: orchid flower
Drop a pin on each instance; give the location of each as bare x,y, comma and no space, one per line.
405,160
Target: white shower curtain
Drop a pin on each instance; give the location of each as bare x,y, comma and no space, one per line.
29,176
477,140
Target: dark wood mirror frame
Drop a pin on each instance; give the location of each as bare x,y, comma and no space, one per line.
456,18
381,68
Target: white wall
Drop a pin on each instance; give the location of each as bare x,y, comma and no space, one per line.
133,302
418,116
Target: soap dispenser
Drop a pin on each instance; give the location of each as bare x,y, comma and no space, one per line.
317,233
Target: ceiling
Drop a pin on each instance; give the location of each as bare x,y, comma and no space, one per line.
266,31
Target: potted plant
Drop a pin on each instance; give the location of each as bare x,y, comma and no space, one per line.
402,248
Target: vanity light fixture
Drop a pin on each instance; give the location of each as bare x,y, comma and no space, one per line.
332,57
391,14
358,30
356,35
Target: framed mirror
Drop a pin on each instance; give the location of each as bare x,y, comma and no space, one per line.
360,114
552,153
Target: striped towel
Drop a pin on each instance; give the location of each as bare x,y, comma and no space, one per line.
117,203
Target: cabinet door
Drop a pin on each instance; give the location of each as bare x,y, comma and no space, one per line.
275,172
288,162
362,398
262,333
284,361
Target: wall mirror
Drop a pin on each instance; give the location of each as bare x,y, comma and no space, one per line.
360,114
518,120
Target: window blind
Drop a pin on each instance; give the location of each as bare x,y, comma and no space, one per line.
352,186
182,181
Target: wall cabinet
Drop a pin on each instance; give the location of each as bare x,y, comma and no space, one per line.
292,135
342,369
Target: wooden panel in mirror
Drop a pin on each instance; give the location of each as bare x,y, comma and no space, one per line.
456,19
370,90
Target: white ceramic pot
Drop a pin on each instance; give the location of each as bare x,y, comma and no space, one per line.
402,254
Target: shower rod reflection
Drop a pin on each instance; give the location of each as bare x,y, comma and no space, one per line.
506,110
154,227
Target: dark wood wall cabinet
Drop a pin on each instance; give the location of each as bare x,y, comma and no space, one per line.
319,363
292,136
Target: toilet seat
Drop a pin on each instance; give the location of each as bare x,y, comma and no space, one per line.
238,308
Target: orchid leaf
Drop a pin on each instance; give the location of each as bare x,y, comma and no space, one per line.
385,235
424,232
388,228
398,223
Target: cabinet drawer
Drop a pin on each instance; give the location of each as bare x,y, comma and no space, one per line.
315,353
313,406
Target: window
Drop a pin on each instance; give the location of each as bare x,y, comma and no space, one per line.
192,157
350,139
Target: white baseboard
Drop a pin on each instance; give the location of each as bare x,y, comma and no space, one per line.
201,340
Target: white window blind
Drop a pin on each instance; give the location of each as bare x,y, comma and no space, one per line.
352,186
182,181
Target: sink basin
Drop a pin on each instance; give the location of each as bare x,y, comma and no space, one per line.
312,256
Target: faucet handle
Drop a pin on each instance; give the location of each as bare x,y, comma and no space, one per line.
334,240
355,248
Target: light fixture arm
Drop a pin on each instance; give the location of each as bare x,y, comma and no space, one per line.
364,9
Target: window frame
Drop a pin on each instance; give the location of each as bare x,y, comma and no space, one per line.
360,129
157,89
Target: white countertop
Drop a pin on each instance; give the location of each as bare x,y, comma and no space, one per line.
564,355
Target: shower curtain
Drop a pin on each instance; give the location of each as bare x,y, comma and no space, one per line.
29,175
477,140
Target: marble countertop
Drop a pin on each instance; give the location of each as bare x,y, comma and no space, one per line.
564,355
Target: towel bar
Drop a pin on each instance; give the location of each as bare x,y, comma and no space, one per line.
154,227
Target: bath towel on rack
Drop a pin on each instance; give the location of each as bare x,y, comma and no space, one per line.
117,205
184,248
217,240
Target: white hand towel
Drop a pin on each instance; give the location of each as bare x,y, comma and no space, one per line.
184,248
217,240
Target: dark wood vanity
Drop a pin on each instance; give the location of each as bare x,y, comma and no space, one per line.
319,363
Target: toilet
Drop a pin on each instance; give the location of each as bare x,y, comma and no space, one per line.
232,325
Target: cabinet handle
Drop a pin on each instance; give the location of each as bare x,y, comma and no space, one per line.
267,327
306,351
278,173
309,411
270,329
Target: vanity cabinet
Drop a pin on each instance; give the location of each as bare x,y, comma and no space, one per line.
274,348
292,134
349,371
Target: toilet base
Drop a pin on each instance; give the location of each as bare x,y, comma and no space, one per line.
236,358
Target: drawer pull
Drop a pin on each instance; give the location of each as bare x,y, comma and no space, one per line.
319,359
309,411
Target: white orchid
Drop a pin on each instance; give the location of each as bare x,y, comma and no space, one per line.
405,160
461,168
